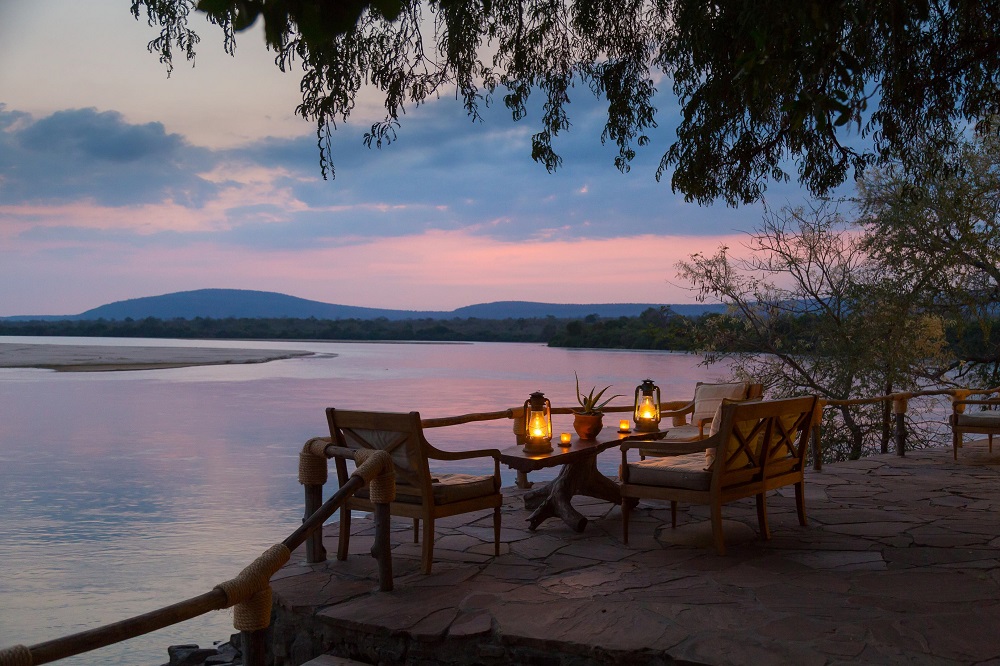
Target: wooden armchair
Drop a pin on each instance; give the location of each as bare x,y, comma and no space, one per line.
702,410
760,446
419,494
980,423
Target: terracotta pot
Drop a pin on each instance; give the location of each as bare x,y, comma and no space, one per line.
587,426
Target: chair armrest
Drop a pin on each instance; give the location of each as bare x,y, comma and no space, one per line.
669,448
658,446
438,454
995,402
682,410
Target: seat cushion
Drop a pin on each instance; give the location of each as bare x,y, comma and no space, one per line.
979,420
684,433
448,488
708,397
687,471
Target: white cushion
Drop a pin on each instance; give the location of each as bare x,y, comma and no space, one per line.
717,419
708,397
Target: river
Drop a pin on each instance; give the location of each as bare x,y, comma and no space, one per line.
121,492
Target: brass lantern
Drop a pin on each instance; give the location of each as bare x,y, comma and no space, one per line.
647,407
537,424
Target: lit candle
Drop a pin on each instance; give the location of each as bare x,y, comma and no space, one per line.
623,425
565,438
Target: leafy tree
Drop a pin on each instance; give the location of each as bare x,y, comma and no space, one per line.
812,300
759,83
940,236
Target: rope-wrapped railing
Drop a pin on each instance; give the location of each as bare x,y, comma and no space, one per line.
900,406
249,593
372,467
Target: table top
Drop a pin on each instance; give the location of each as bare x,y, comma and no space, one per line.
578,449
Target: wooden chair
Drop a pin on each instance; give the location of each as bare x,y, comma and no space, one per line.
419,494
703,410
764,447
981,423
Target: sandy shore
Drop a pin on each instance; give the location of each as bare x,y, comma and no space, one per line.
97,358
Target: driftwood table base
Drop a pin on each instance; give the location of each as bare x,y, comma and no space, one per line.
579,476
553,499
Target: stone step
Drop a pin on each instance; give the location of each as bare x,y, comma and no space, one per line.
330,660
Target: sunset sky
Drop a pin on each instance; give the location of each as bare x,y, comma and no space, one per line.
118,182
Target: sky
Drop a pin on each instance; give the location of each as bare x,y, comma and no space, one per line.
117,182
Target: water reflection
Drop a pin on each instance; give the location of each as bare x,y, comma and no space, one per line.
125,491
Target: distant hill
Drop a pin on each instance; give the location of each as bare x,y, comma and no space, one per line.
242,303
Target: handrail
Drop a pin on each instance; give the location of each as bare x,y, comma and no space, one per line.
899,401
254,579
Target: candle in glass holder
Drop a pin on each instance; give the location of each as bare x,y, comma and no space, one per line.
623,425
565,438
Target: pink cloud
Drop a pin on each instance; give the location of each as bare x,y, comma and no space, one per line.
435,270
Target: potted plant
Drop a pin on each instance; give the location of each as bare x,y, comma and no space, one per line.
589,419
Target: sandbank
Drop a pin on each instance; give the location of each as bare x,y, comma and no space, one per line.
99,358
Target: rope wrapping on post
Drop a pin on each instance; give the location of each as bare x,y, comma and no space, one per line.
250,590
957,396
900,402
312,462
16,655
376,468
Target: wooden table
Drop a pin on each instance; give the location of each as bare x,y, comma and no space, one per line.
579,476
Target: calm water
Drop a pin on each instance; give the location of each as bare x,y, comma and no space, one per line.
122,492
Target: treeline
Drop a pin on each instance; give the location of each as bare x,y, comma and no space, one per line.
654,329
479,330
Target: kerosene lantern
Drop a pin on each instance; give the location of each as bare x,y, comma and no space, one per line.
647,407
537,424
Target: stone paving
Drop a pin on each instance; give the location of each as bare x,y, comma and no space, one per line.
899,564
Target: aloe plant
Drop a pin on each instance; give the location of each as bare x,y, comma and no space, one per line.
590,403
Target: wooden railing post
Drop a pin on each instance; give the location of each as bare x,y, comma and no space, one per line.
815,436
315,550
381,548
312,476
254,647
376,468
899,407
521,480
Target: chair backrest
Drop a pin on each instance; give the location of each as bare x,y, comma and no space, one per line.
401,435
762,440
708,397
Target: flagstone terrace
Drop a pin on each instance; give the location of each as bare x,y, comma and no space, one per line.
899,564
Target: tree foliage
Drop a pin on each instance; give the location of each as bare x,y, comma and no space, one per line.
764,87
810,297
940,237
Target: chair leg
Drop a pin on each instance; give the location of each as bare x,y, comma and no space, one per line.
991,443
427,551
765,531
496,532
800,502
673,514
717,536
416,530
626,514
345,533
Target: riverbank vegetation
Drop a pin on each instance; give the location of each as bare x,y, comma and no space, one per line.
898,293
